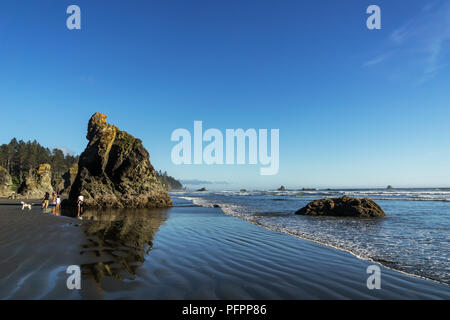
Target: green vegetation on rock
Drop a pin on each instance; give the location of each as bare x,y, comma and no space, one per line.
115,171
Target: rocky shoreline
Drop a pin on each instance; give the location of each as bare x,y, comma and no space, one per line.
113,171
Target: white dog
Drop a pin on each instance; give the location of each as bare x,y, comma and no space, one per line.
25,205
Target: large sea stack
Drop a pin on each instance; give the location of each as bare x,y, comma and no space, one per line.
343,207
115,171
37,182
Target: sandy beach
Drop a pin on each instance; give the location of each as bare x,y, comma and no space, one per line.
185,252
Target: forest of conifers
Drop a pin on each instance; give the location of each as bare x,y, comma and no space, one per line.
19,157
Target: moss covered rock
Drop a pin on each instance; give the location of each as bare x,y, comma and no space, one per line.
115,171
5,183
37,182
343,207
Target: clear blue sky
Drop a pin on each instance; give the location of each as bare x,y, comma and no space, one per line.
355,107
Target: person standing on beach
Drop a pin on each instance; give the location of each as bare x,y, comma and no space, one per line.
80,204
54,194
58,206
45,200
58,202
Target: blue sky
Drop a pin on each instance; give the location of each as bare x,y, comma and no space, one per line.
355,107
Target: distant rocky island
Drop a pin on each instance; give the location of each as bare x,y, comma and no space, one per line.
28,170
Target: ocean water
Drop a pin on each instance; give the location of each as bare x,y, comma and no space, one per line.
414,237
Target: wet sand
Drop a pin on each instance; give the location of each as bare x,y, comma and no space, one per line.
185,252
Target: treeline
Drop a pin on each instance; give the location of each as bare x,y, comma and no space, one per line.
169,183
18,157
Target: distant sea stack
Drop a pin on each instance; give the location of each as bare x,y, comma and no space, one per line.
37,182
343,207
5,183
115,171
282,188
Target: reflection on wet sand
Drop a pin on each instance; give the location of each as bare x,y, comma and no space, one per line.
118,241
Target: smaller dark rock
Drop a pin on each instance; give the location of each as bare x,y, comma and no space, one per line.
202,190
282,188
216,206
343,207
